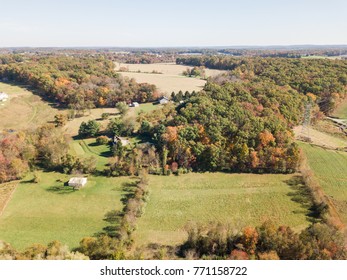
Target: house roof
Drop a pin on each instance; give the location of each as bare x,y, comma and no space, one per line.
78,180
3,95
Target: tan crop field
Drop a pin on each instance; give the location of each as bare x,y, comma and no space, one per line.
322,139
170,78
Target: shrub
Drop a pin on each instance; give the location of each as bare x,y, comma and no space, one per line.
102,140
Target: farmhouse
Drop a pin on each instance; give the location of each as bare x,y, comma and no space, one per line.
3,96
124,142
163,100
77,182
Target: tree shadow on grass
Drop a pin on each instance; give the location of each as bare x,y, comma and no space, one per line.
61,189
301,194
128,189
106,154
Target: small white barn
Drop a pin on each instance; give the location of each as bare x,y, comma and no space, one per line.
3,96
134,104
163,100
77,182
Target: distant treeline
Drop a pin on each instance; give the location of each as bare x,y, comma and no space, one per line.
325,79
78,83
142,58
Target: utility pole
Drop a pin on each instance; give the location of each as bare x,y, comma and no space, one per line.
305,131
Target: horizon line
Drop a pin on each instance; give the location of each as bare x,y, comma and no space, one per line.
173,47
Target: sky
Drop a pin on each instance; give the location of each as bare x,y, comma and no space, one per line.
154,23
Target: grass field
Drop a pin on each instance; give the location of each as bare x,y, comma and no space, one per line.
89,147
40,213
330,168
171,78
23,109
236,199
341,111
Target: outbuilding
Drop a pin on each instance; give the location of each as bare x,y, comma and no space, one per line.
134,104
77,182
163,100
3,96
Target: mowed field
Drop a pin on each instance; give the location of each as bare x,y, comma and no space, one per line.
47,211
23,109
341,110
171,78
330,168
89,147
236,199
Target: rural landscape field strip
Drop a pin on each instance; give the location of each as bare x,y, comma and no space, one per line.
170,76
47,211
330,168
236,199
33,110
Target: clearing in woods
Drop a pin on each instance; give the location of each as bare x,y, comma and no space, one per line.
236,199
170,78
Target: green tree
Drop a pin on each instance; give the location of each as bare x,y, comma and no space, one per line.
89,129
122,107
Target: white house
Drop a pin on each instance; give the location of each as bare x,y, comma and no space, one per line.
3,96
77,182
163,100
124,142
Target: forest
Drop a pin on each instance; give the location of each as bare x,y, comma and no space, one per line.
325,79
79,83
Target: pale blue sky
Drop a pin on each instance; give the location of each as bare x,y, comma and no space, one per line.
172,23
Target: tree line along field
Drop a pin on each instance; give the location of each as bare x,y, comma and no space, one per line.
330,168
236,199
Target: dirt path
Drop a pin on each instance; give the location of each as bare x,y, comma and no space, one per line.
322,139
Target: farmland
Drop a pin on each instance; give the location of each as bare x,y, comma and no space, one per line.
170,78
341,111
23,109
321,138
40,213
235,199
330,168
